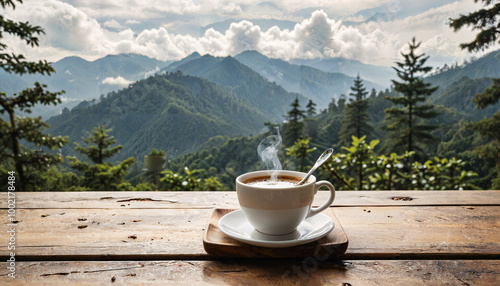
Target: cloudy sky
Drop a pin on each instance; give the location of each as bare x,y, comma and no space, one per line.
371,31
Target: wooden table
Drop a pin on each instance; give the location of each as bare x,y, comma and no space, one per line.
395,238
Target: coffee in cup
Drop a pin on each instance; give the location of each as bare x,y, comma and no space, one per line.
278,208
280,181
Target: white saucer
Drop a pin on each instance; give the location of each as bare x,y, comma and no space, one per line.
236,225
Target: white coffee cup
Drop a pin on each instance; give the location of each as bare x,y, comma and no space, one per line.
279,210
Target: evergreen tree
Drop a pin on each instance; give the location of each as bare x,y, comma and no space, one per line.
102,141
311,108
487,21
101,175
14,128
484,20
295,126
356,118
406,124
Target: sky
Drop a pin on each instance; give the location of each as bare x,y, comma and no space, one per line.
371,31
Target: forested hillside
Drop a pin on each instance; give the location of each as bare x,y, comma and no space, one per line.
84,80
484,67
316,84
456,140
245,83
174,112
209,114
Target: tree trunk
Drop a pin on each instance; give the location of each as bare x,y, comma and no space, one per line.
16,150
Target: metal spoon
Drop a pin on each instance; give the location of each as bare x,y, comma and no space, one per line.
322,159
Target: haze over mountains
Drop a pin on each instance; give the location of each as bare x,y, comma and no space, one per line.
83,80
185,103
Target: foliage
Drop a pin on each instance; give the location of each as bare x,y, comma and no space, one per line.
102,141
176,182
355,163
491,150
387,171
173,112
295,126
439,174
311,108
356,118
184,114
359,168
101,175
487,21
300,150
155,152
236,156
405,123
17,129
484,20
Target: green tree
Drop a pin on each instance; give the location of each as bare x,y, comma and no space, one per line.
101,175
406,124
311,108
484,20
177,182
356,118
300,150
487,21
98,144
352,168
295,126
15,128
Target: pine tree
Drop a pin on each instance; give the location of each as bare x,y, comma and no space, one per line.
311,108
484,20
295,126
102,142
405,120
356,118
487,21
101,175
28,129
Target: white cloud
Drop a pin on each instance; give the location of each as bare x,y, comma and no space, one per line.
213,43
66,28
75,31
132,22
151,72
116,81
230,9
112,24
243,36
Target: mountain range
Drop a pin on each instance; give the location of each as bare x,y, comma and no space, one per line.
186,103
246,84
172,112
316,79
84,80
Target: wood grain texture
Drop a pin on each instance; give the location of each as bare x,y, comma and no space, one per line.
217,243
176,200
444,232
421,232
256,272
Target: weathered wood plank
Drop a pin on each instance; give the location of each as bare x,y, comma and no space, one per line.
256,272
426,232
373,232
101,233
176,200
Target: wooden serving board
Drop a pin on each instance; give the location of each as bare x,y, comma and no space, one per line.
217,243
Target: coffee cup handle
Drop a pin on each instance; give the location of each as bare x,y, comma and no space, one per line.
315,211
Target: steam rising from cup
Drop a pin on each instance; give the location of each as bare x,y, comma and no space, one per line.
268,153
